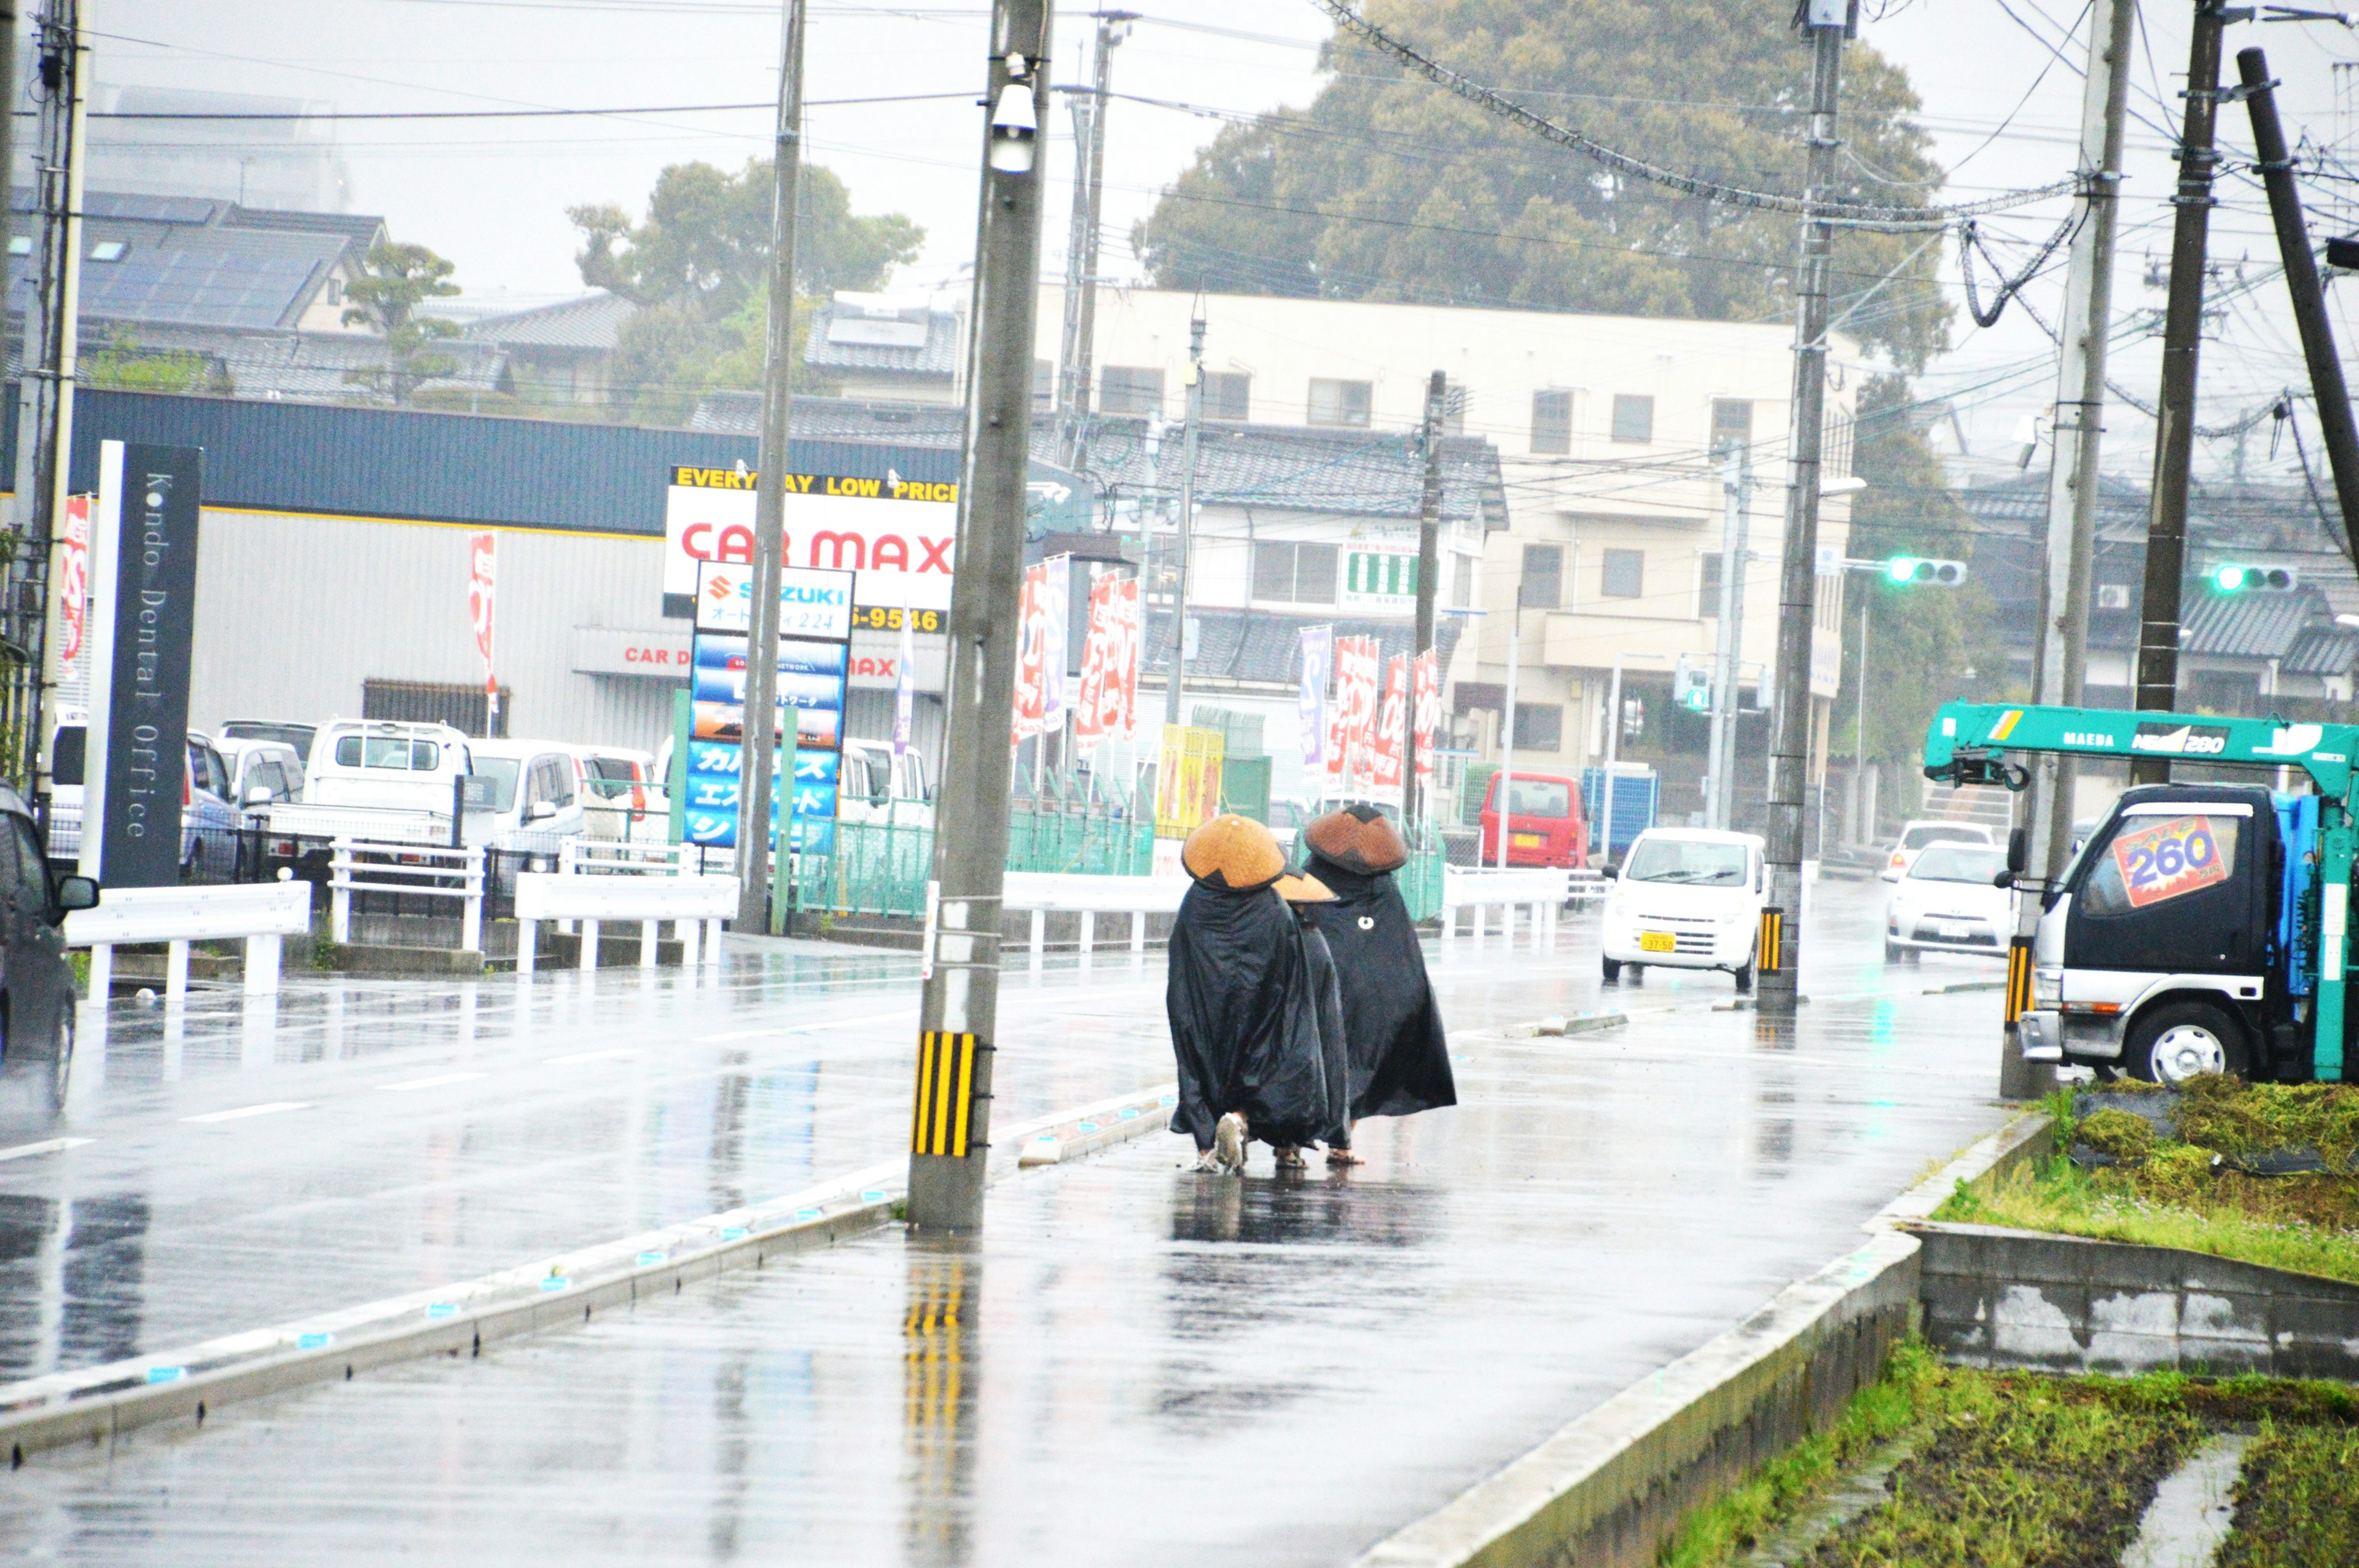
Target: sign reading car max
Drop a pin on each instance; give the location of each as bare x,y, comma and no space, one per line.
895,539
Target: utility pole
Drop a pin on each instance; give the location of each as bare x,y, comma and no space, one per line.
958,1020
1181,539
50,356
2182,341
1825,21
1736,497
2060,658
1073,366
2302,282
1507,731
753,787
1429,580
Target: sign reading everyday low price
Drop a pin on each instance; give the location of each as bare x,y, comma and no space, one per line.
2172,859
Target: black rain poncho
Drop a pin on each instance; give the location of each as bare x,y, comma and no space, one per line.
1399,1057
1245,1019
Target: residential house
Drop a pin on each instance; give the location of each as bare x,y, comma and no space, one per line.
871,348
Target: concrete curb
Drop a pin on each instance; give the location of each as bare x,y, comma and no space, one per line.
1610,1487
1557,1023
186,1383
1956,987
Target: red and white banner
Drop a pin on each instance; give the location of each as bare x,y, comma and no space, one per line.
1392,726
1352,723
1031,655
1429,711
483,579
1107,708
73,579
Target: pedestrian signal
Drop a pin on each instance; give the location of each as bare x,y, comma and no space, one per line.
2231,577
1691,685
1915,569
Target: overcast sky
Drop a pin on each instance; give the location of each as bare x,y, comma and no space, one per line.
492,195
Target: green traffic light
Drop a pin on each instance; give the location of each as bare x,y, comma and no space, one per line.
1900,568
2229,579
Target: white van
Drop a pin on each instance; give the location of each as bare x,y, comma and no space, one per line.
523,795
873,784
1686,898
384,765
619,796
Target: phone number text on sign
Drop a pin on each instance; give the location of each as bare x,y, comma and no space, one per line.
2169,858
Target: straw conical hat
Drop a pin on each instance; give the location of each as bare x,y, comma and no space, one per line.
1305,889
1233,852
1359,839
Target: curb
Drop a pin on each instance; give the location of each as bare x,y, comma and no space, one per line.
186,1383
1570,1023
1965,986
1611,1486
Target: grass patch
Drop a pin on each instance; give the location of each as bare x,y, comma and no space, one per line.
2179,1188
2021,1470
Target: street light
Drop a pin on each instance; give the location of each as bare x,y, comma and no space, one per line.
1015,125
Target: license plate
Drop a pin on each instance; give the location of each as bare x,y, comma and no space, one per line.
1657,942
1947,933
1528,840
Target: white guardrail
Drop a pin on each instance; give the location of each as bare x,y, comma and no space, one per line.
417,871
688,902
261,913
1069,893
1543,890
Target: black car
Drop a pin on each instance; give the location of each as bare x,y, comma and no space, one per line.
37,986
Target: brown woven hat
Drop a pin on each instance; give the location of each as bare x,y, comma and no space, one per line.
1235,852
1305,889
1359,838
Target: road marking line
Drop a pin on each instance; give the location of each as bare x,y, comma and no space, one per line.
897,1015
46,1146
435,1082
245,1110
736,1034
585,1056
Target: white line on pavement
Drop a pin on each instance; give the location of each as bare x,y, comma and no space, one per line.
435,1082
579,1056
897,1016
245,1110
46,1146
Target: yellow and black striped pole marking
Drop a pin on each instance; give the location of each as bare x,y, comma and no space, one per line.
945,1097
1771,959
2018,978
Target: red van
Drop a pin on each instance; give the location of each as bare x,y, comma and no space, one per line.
1544,822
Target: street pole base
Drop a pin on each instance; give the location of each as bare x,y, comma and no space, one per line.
946,1193
2020,1079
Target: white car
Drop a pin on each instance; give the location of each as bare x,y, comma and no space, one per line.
1686,898
1948,903
621,799
1915,835
525,794
384,765
261,773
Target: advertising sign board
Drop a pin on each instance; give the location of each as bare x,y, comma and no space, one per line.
813,670
894,539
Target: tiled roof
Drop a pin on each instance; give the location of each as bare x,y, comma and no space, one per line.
306,366
592,321
934,354
2323,650
1259,646
2246,625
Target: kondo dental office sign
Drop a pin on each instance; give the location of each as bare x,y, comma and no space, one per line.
895,538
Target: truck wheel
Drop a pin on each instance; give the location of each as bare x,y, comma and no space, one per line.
1891,951
2182,1040
1745,979
1613,971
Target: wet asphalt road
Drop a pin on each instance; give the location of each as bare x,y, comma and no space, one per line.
1134,1364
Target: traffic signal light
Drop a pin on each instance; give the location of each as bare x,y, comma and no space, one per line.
1920,569
2235,577
1691,685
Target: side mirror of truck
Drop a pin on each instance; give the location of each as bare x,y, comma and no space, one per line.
2018,853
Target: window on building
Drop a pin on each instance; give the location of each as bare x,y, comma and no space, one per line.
1633,418
335,291
1228,394
1044,385
1462,582
1552,424
20,244
1624,575
460,706
1732,422
1130,389
1539,727
1340,403
1708,587
1293,573
1543,580
108,251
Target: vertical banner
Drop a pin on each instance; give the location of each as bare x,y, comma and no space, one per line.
1031,648
1392,730
1310,696
1351,725
144,553
814,661
483,576
1188,780
1128,639
904,687
74,579
1427,709
1089,707
1056,656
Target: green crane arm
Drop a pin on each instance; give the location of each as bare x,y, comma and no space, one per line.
1966,741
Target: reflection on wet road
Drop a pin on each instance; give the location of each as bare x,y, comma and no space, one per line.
1132,1364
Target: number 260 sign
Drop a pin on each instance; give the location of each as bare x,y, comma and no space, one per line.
2169,858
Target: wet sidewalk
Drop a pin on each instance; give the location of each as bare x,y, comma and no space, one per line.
1133,1364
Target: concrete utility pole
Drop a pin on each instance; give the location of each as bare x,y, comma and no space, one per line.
1736,498
2326,381
1181,538
2182,341
950,1130
770,506
1428,579
1790,745
2060,658
1073,366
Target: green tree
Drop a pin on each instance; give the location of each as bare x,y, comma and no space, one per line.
394,281
699,266
1388,187
1926,645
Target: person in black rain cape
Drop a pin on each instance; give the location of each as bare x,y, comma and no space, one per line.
1400,1058
1244,1016
1327,991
